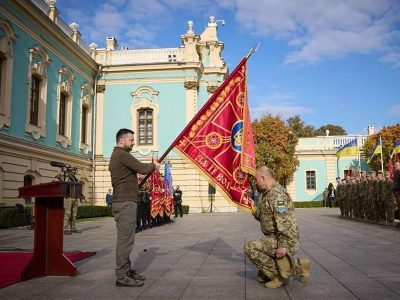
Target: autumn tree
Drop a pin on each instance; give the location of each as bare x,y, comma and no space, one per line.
389,135
275,146
299,128
333,130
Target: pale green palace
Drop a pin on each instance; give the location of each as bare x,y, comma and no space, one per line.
63,100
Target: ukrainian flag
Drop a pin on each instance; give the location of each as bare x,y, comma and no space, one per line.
377,150
348,149
396,149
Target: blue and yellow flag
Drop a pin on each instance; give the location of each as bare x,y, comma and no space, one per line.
377,150
396,149
348,149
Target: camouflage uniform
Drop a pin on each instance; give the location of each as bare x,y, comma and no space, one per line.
70,212
339,197
388,199
380,203
346,200
371,196
362,186
278,222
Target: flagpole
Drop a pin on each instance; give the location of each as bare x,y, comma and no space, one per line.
359,155
380,140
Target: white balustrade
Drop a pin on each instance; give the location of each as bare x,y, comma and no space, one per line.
329,142
143,56
42,5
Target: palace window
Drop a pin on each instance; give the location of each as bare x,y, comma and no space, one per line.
2,64
7,36
62,115
145,112
310,180
145,126
34,103
37,92
64,121
86,117
28,181
84,124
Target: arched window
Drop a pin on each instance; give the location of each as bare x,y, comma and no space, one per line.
145,113
7,36
86,117
145,126
37,92
64,120
28,181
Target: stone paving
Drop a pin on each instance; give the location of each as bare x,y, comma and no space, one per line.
200,256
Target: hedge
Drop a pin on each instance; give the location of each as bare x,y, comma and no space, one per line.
9,216
185,209
308,204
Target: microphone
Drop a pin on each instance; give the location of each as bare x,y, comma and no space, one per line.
58,164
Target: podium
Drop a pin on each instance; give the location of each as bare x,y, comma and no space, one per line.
48,257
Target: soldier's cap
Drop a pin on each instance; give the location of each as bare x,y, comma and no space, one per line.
337,178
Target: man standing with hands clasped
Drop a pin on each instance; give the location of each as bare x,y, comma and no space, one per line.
274,254
124,169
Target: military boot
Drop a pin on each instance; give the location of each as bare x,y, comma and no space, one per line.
261,277
304,269
275,283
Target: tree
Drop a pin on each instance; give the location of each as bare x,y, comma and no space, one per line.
333,130
389,136
299,128
275,146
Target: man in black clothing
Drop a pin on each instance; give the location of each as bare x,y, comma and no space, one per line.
178,201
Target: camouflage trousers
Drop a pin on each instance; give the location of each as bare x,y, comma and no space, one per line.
70,211
262,253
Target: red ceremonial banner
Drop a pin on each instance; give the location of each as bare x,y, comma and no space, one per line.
157,195
219,139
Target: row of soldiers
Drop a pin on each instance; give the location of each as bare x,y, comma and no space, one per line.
367,197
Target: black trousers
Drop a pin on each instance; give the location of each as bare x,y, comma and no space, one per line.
178,206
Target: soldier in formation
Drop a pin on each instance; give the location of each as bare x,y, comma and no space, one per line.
369,197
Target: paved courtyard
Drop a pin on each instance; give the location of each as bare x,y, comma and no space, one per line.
201,257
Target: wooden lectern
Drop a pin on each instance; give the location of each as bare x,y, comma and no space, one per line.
48,257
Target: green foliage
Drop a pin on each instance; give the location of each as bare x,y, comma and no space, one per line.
9,217
91,211
185,209
390,135
308,204
333,130
275,146
299,128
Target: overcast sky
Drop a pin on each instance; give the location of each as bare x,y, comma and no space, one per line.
329,61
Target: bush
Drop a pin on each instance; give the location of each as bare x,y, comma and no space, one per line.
9,217
185,209
91,211
308,204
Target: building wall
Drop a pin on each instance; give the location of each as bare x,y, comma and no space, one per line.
177,89
319,154
25,153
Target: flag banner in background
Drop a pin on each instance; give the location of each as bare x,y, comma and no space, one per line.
348,149
219,139
168,205
377,150
157,195
396,149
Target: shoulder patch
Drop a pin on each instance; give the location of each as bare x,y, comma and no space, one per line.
281,207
